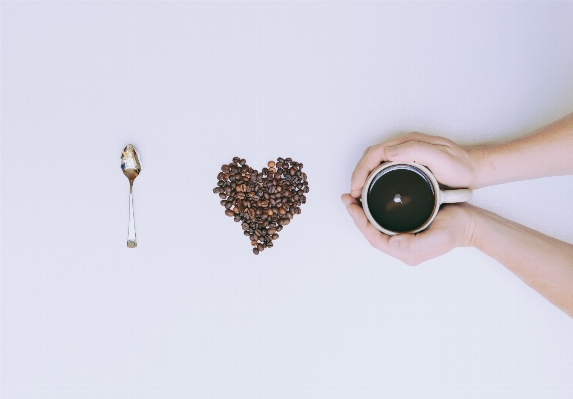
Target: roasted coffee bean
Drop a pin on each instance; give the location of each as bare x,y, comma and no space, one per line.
263,202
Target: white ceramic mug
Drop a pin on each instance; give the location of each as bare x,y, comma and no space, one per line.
440,196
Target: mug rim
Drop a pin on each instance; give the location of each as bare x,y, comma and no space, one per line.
385,165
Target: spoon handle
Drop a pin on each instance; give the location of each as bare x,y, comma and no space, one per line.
131,239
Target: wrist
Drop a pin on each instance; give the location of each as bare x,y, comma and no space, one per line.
477,157
474,225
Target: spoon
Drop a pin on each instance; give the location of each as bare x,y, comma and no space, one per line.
131,167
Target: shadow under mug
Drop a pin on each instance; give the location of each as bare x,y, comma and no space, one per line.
440,196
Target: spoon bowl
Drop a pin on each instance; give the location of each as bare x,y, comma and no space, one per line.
130,162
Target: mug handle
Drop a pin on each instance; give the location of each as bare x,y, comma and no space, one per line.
453,196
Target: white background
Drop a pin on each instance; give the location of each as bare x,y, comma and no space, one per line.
192,313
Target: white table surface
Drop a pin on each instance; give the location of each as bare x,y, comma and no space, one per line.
192,313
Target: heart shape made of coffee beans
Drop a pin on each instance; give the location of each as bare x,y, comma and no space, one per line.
263,201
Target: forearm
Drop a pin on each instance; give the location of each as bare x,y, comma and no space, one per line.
545,152
542,262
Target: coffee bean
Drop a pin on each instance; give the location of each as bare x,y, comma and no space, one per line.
263,202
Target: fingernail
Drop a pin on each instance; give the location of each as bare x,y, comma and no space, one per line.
395,243
393,150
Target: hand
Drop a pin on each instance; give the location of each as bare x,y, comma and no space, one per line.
453,227
452,165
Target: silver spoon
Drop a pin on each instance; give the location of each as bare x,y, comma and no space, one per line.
131,167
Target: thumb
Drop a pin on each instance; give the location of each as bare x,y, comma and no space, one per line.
415,151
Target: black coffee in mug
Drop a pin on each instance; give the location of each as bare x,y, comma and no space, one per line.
401,198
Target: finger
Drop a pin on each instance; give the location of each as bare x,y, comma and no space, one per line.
372,235
371,160
357,163
416,151
376,154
